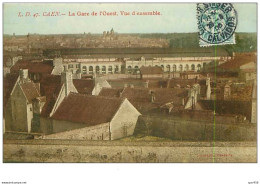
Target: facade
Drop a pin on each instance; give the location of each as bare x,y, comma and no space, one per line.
130,60
19,108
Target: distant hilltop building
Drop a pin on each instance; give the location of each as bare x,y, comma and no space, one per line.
109,35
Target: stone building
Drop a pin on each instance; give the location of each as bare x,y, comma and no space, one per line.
92,118
19,108
115,60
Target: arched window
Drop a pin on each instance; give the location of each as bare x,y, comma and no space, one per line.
198,67
97,69
90,68
180,68
168,68
104,69
109,69
174,68
193,67
116,69
187,67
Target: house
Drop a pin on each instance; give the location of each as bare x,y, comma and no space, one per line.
36,69
151,72
92,118
19,105
243,64
147,99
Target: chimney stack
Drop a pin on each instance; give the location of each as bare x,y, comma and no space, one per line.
146,84
152,96
66,79
23,73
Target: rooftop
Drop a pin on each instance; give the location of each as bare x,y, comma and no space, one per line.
87,109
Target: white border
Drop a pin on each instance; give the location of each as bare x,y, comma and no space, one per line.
127,173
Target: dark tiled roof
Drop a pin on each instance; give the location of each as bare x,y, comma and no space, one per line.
50,87
84,86
157,84
237,62
141,97
90,110
9,82
151,70
33,67
111,92
30,91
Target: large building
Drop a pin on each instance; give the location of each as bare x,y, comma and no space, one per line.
129,60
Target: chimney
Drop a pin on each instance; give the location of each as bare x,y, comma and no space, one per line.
23,73
208,93
183,101
66,79
146,84
152,96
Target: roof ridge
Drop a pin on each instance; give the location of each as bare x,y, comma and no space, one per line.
93,96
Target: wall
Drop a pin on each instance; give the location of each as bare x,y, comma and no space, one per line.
194,130
98,132
122,151
229,107
124,121
18,108
61,126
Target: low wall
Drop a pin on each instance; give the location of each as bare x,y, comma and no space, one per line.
195,130
121,151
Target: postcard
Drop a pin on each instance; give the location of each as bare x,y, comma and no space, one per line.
130,83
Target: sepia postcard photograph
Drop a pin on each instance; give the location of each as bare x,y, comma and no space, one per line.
129,83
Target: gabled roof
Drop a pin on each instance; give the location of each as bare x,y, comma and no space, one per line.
9,82
141,97
145,70
50,87
110,92
30,91
33,67
237,62
87,109
84,86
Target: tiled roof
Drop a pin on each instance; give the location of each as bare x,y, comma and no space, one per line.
111,92
237,62
50,87
157,84
151,70
84,86
33,67
9,82
30,90
90,110
141,97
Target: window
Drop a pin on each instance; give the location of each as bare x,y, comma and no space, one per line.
70,66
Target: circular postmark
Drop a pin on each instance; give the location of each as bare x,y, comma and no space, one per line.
216,22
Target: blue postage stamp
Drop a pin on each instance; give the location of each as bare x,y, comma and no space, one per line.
217,23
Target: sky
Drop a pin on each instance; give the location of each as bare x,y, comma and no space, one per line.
174,18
